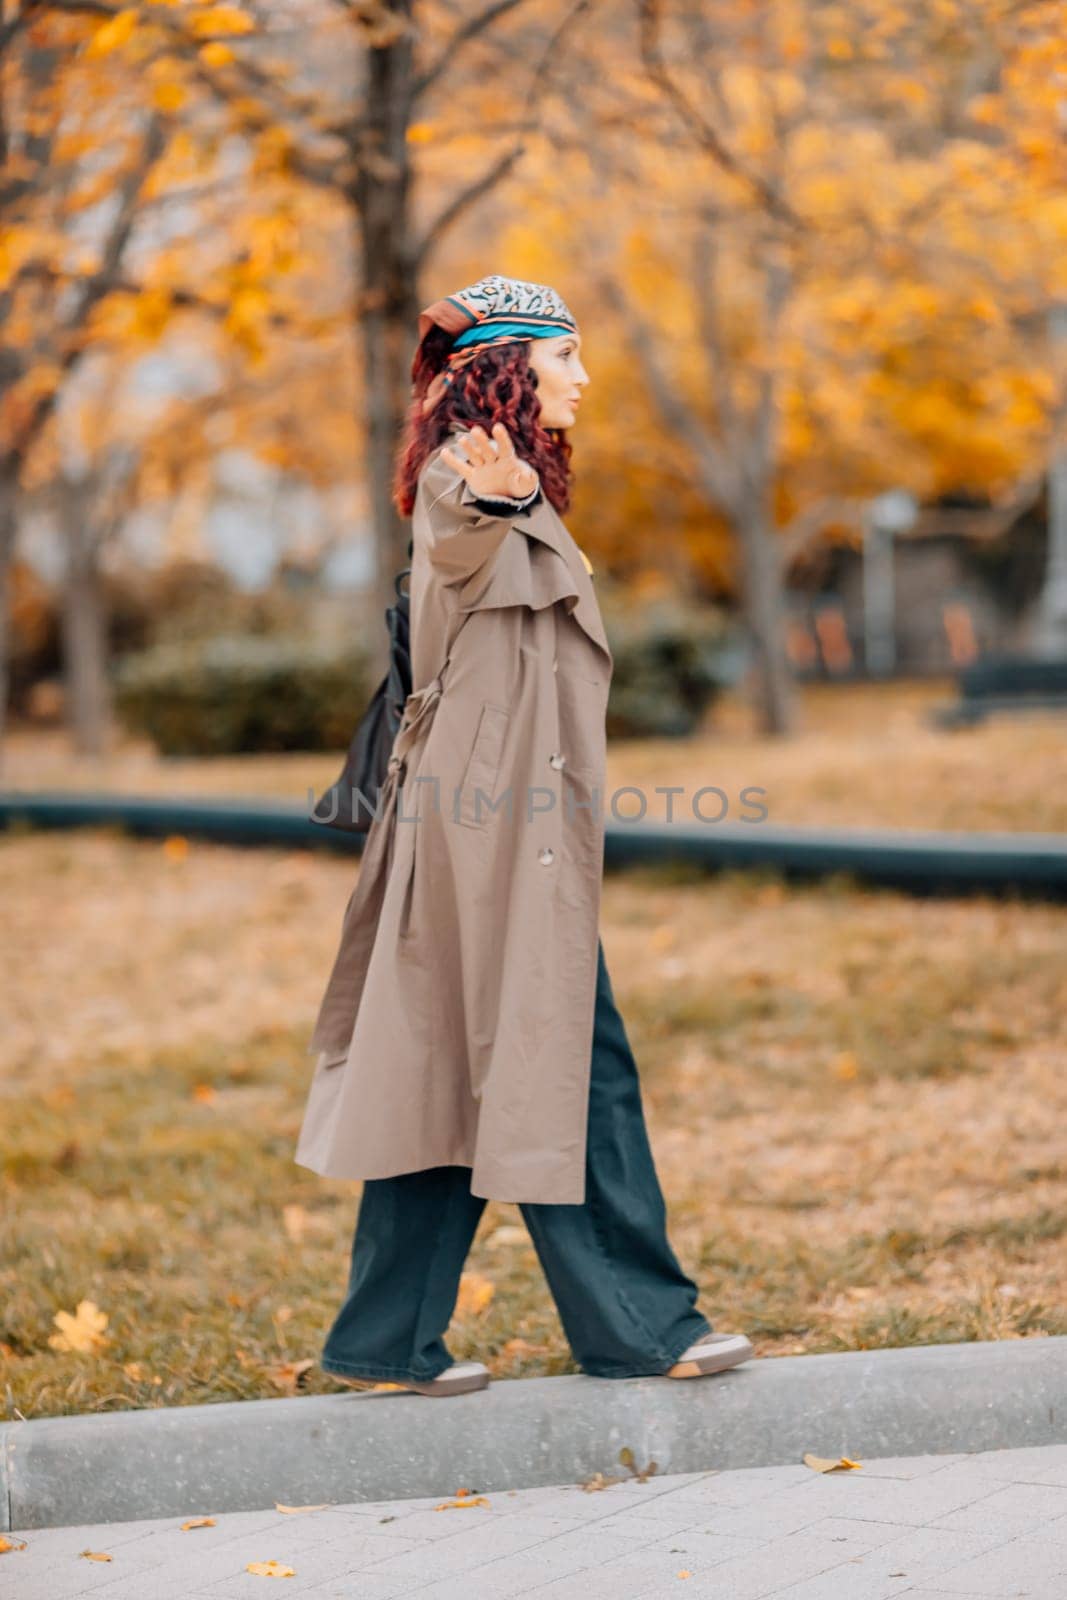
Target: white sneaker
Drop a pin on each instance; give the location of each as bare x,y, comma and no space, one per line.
460,1378
713,1352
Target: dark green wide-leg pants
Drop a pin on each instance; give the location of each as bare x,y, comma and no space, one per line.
627,1308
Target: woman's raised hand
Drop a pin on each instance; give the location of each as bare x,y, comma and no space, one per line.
491,466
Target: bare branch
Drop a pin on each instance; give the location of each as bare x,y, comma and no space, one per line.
100,283
718,471
705,285
471,29
464,199
482,185
707,136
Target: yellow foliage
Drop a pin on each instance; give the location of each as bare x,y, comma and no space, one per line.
114,33
222,19
216,54
169,95
150,313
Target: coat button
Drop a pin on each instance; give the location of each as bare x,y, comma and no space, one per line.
556,761
546,856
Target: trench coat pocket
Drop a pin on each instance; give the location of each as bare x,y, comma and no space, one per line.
480,775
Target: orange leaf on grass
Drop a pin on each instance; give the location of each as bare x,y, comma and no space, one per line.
287,1374
475,1294
83,1332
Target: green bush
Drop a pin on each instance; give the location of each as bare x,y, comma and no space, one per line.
248,694
233,695
671,660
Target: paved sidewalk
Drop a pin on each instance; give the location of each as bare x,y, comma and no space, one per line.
947,1527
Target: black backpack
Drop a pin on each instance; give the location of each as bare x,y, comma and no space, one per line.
351,802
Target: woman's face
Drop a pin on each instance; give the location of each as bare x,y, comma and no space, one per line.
560,378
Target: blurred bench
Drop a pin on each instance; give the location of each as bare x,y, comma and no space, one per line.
1005,683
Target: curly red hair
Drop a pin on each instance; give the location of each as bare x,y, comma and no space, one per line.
498,385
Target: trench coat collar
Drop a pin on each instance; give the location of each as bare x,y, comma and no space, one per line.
519,577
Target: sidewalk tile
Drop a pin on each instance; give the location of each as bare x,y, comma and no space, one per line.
1031,1570
1012,1509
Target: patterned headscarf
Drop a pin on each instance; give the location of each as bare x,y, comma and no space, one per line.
494,310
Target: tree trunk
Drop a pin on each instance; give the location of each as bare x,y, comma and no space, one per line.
84,629
773,689
388,305
8,503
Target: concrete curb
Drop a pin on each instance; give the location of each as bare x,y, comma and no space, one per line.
359,1446
912,860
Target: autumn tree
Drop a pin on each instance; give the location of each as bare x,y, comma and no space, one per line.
51,280
410,113
829,237
133,218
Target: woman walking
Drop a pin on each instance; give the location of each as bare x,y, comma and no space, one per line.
469,1047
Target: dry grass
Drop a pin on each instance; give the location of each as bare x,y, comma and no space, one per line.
865,757
857,1100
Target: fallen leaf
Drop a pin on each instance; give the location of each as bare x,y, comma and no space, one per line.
626,1457
198,1522
295,1221
475,1293
287,1374
95,1555
82,1332
270,1569
685,1573
598,1481
292,1510
204,1093
8,1544
457,1505
824,1464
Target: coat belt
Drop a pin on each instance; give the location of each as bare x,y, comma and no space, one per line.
417,708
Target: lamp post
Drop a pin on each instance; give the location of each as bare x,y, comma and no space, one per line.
1051,632
886,516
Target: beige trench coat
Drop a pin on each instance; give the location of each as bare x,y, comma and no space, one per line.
457,1023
